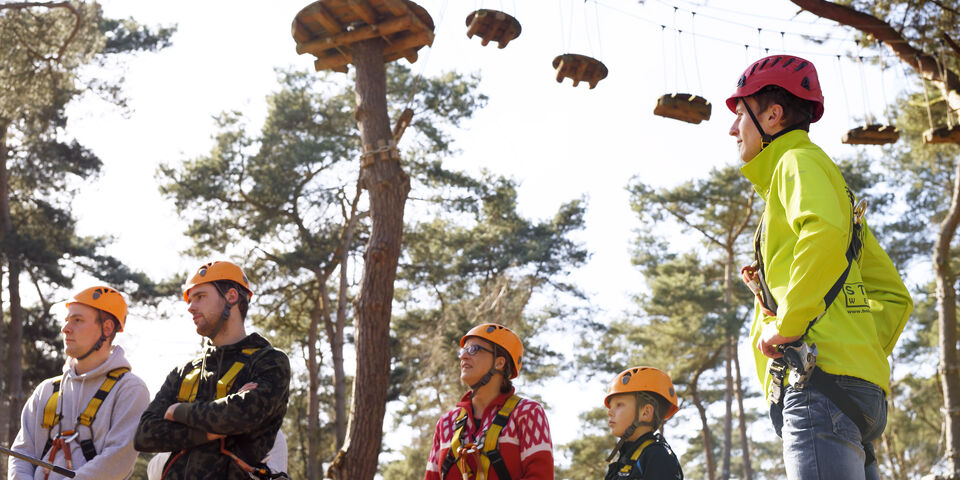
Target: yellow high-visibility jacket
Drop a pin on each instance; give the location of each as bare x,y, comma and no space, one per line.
806,230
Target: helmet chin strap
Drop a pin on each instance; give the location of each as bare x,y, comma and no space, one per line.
632,428
99,344
489,375
224,315
765,138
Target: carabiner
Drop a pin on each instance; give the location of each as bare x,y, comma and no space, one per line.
859,210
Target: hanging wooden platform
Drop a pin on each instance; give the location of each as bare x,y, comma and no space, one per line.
684,107
492,25
873,134
579,68
328,28
942,135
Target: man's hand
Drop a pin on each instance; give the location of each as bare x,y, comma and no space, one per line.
770,338
169,414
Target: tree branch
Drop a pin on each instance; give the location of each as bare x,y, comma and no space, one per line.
51,5
924,64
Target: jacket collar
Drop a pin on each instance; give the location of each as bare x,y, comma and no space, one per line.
254,340
627,449
760,170
497,402
117,359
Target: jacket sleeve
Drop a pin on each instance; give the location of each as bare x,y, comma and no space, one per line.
240,413
155,434
29,436
820,217
890,301
117,457
433,461
536,446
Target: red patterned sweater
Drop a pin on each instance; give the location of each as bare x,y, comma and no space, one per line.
524,443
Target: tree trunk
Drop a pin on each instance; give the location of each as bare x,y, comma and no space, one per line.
744,441
314,447
949,369
387,186
13,366
728,412
4,207
707,437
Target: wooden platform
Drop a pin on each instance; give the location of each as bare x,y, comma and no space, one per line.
684,107
942,135
873,134
492,25
579,68
328,28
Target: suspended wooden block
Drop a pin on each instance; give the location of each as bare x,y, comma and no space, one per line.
942,135
683,106
492,25
873,134
328,29
579,68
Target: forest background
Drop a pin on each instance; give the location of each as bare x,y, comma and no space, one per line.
159,136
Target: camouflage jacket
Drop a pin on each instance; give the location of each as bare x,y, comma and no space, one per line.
250,419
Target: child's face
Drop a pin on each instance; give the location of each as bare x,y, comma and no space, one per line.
621,412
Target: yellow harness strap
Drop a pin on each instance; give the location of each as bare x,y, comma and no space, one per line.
490,442
636,455
90,413
50,416
191,382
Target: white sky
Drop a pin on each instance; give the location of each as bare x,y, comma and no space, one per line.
561,142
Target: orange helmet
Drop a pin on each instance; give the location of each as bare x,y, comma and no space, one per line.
214,271
502,337
106,299
644,379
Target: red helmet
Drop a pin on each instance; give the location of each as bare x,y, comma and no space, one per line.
793,74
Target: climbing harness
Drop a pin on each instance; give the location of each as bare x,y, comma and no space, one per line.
489,454
625,470
190,383
799,359
189,387
260,471
51,418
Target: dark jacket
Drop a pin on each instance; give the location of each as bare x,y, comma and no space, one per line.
250,419
657,462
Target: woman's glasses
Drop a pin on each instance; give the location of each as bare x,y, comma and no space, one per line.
472,350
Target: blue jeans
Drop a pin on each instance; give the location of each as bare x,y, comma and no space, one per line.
820,441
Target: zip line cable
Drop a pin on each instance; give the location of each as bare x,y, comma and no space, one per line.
926,96
718,39
867,109
843,88
883,88
596,17
942,71
663,51
696,61
783,42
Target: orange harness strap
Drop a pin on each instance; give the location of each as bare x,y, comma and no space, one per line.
61,442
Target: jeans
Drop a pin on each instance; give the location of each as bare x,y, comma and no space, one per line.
819,441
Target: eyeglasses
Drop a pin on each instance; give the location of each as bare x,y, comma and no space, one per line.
472,350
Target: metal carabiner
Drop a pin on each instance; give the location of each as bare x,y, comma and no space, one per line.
859,210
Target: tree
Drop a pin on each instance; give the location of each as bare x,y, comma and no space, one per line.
43,45
918,34
479,261
296,235
721,209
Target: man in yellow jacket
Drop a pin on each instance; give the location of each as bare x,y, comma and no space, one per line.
821,278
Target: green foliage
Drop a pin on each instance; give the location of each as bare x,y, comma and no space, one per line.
589,452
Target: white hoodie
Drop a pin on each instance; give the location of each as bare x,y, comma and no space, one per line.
113,428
